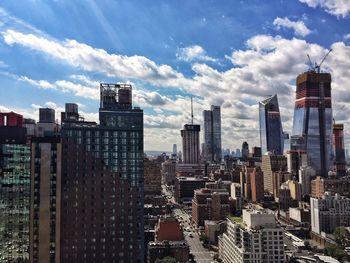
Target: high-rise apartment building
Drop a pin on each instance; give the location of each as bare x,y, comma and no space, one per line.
102,181
190,143
338,149
257,185
271,133
45,199
14,189
255,238
313,119
212,134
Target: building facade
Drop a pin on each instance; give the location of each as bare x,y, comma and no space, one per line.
339,149
313,119
14,189
45,199
329,212
190,144
212,134
271,132
255,238
272,163
102,181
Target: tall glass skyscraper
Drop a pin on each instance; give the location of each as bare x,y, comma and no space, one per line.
102,181
212,134
271,133
312,123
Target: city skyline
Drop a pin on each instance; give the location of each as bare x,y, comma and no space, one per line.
63,60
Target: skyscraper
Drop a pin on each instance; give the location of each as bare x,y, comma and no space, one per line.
212,134
245,151
338,149
271,133
190,143
14,189
312,122
102,181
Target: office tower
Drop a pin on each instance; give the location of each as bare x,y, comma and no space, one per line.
102,182
313,119
257,185
174,149
14,189
328,212
271,133
338,149
272,163
245,151
45,199
256,238
190,143
212,134
238,153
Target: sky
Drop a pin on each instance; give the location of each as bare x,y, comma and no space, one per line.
229,53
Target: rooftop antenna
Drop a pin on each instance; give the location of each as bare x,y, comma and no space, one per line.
191,111
317,67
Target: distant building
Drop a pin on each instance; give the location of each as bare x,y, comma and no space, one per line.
185,186
295,160
14,188
245,151
212,134
271,133
257,185
306,174
169,172
255,238
190,144
320,185
256,152
329,212
152,177
236,195
210,204
338,149
272,163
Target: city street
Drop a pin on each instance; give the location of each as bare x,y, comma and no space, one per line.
201,254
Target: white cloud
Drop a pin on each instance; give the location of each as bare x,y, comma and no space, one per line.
194,53
347,36
98,60
266,66
300,29
334,7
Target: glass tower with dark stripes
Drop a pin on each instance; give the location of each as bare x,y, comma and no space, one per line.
312,124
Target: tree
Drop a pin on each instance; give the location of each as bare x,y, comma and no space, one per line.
166,260
342,236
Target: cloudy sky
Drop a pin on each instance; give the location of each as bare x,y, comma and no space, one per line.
225,52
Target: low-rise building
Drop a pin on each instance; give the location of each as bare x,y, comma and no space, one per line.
210,204
160,249
253,238
328,212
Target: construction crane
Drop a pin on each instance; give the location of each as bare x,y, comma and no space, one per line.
317,67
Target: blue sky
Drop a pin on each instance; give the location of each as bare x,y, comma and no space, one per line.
229,53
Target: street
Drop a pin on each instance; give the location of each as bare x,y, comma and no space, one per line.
201,254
